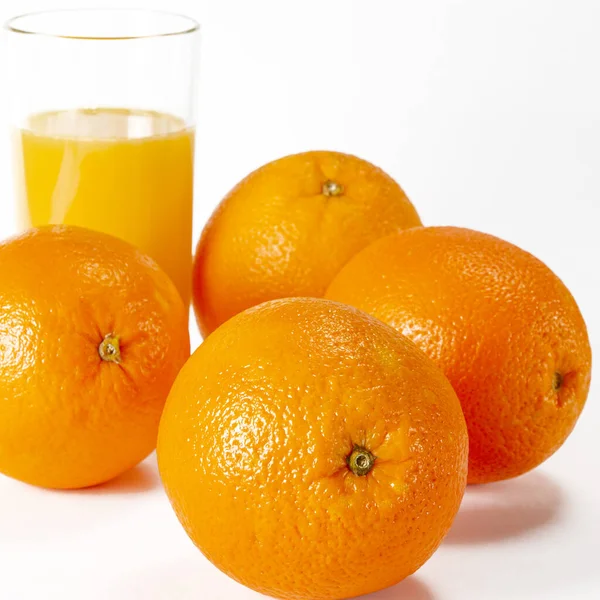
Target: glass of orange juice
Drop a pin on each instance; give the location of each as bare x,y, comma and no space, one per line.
103,112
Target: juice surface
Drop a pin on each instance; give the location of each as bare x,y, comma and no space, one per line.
124,172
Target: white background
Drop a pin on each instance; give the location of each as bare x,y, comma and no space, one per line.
488,114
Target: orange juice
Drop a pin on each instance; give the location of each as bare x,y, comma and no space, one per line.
125,172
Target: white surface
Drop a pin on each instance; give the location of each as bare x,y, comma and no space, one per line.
488,113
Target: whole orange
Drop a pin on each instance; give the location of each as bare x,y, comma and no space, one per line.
92,335
504,329
288,228
311,451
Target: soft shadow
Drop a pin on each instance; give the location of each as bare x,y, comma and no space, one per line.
142,478
411,588
31,514
507,509
195,577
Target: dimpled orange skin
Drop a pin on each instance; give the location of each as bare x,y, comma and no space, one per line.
279,234
256,433
68,418
504,329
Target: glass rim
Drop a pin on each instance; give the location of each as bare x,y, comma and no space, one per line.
189,26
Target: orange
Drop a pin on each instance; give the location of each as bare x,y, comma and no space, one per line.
503,328
311,451
92,335
288,228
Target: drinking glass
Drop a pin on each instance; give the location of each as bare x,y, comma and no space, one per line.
102,108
